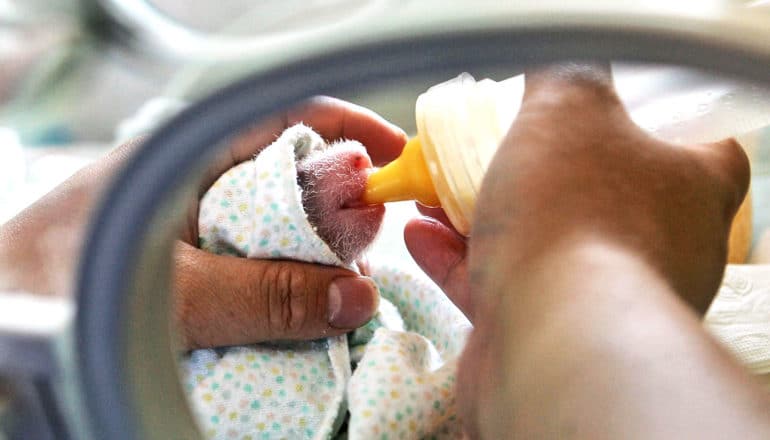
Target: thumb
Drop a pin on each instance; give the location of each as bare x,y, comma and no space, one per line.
441,253
728,164
222,300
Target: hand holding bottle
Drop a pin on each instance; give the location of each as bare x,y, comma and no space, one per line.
590,241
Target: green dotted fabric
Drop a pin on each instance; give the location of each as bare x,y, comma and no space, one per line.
404,385
255,208
266,392
404,358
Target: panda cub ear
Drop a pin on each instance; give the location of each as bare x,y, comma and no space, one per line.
305,140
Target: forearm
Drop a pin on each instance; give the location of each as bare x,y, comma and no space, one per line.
38,250
599,346
39,247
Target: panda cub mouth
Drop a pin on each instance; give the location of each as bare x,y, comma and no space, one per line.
333,181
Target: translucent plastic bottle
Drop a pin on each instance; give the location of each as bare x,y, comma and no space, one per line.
461,122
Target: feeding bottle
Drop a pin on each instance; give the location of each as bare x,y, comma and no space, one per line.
459,126
461,122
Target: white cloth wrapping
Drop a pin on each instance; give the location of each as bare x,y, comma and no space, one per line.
739,317
403,385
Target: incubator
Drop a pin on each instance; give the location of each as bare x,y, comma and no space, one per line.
103,365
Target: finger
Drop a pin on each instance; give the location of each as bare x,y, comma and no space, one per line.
332,118
441,253
221,300
436,213
728,163
336,119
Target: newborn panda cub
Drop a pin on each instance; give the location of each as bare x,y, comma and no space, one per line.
333,180
300,199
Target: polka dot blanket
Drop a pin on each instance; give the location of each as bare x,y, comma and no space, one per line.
392,378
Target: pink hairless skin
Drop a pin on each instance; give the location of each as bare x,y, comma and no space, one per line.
333,182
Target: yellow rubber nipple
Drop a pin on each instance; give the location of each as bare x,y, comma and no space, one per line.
406,178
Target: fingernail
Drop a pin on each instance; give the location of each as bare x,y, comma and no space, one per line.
398,129
352,301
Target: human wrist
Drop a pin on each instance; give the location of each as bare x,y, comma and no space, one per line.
554,302
568,262
522,289
693,276
583,312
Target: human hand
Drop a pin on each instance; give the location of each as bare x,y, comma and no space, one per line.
576,166
442,252
585,184
575,169
219,300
